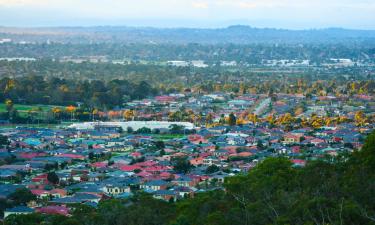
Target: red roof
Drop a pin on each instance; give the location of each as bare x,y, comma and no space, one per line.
165,175
100,164
136,154
144,174
164,98
31,155
62,210
156,168
146,163
129,168
244,154
39,192
72,156
299,162
40,178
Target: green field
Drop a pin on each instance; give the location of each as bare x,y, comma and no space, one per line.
26,108
41,125
167,136
23,110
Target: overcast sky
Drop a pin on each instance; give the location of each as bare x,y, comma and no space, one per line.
294,14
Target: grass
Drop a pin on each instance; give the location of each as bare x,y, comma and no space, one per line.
41,125
167,136
24,109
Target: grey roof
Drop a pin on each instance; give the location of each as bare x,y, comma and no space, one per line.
20,209
156,183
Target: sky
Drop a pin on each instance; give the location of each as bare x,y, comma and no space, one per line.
290,14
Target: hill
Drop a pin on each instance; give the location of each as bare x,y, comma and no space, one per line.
233,34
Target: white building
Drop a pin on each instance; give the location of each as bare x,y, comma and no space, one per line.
135,125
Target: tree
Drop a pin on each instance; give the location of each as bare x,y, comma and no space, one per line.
53,178
91,155
9,105
29,219
260,144
360,118
159,144
129,130
232,119
22,196
176,129
129,114
253,118
181,165
144,130
4,141
212,169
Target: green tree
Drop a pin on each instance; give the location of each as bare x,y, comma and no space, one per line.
232,120
181,165
22,196
212,169
53,178
4,141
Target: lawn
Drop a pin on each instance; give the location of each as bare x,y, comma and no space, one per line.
25,108
167,136
41,125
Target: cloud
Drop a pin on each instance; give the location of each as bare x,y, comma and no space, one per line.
248,5
243,4
316,13
13,3
200,5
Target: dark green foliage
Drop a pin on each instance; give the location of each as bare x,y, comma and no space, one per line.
181,165
4,140
53,178
232,119
129,130
159,144
22,196
143,130
56,91
176,129
31,219
212,169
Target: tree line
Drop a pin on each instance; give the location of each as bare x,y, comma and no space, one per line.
253,53
64,92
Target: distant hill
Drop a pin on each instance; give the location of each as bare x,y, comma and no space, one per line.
233,34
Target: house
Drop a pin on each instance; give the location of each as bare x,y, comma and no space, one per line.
292,139
116,189
52,209
240,103
197,161
184,181
55,193
167,195
8,189
76,199
184,191
197,139
317,141
218,176
7,175
154,185
41,179
208,161
18,210
298,162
